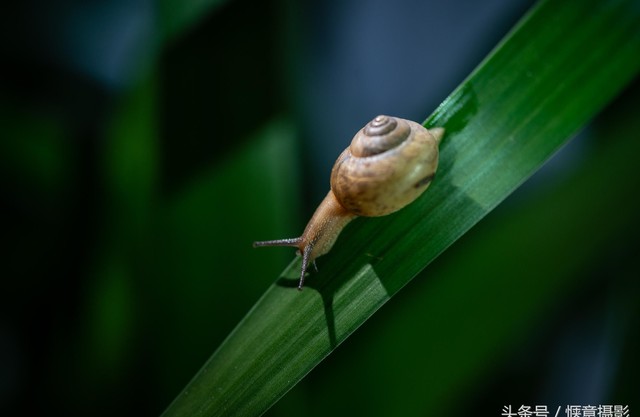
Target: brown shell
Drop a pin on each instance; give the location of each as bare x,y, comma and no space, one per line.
390,162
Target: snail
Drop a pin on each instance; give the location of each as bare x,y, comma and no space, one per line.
390,163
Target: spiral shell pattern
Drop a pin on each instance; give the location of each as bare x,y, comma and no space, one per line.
390,162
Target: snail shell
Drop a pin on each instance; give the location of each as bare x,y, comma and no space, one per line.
390,163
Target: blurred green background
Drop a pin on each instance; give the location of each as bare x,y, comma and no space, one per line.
144,146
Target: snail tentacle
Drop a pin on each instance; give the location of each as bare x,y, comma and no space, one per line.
279,242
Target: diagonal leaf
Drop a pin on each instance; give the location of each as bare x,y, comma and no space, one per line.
493,306
561,65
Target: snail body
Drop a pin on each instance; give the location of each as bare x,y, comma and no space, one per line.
389,163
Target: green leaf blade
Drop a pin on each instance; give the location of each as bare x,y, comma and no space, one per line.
555,71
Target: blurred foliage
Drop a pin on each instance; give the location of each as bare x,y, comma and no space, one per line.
130,208
177,16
